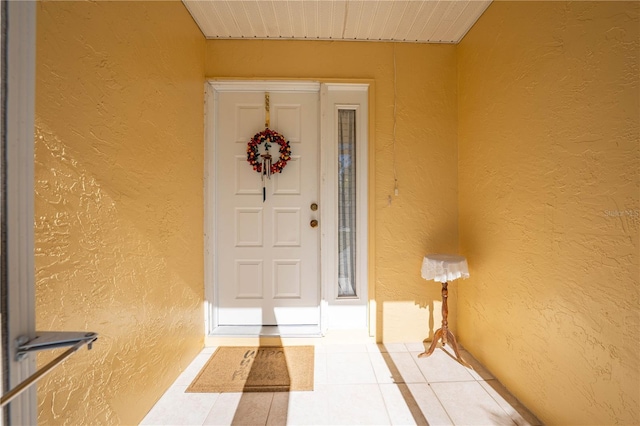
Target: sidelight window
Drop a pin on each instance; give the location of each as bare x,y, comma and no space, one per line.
347,203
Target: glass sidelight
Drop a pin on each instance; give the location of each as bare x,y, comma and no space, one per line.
347,203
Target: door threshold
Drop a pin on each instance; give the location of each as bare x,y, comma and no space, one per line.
285,336
237,335
267,331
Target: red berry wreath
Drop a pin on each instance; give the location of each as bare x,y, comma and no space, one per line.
268,137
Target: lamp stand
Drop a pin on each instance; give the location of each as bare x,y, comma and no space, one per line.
444,333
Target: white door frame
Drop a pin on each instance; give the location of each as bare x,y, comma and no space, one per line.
334,312
19,101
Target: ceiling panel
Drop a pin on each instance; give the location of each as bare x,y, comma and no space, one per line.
269,18
285,26
449,25
254,18
353,14
408,20
296,14
432,21
310,12
325,21
380,19
338,11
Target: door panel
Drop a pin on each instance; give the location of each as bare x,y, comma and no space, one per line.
267,252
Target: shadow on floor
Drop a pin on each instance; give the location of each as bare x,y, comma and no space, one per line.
272,404
411,402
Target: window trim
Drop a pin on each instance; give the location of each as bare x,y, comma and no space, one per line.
344,312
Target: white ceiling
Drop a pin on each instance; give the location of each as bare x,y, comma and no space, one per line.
432,21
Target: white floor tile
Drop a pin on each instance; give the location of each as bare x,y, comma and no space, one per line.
192,370
356,405
387,347
468,403
209,350
375,347
440,367
320,368
518,412
415,346
309,408
179,408
382,368
349,368
224,409
320,348
429,404
407,366
398,406
346,348
356,384
479,372
278,412
253,408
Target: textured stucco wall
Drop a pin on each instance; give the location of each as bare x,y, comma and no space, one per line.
119,206
423,218
549,213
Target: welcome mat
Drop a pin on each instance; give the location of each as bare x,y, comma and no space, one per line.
256,369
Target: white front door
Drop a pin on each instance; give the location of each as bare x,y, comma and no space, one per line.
267,251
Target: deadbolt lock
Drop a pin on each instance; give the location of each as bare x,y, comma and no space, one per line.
314,207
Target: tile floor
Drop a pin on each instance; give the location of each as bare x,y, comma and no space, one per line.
360,383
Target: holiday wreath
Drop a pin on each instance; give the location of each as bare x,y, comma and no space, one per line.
263,163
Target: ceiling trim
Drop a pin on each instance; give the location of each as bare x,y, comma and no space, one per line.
409,21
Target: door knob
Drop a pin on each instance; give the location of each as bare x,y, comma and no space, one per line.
314,223
314,207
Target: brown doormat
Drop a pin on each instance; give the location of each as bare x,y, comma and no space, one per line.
256,369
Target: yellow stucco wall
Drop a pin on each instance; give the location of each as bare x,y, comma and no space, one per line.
423,218
119,205
549,205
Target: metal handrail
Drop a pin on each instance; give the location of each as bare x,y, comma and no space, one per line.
86,339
